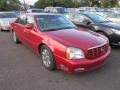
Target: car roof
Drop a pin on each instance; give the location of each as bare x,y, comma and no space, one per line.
88,13
34,14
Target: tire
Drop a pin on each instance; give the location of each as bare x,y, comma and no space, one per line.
14,37
47,58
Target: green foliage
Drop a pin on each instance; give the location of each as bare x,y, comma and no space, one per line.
75,3
65,3
109,3
8,5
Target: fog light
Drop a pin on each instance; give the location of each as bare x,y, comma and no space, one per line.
64,68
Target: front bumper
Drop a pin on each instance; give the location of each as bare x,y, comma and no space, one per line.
82,65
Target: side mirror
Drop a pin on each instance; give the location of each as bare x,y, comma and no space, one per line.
86,22
29,26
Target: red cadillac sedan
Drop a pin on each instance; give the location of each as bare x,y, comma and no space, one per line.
60,44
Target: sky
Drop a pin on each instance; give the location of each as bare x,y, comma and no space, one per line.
31,2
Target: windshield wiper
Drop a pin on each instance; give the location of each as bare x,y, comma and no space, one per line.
45,30
66,28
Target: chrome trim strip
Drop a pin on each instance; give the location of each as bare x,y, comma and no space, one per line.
97,46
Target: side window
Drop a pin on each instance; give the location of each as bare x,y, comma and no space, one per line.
30,20
22,20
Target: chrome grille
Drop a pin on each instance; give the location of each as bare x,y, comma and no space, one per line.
97,51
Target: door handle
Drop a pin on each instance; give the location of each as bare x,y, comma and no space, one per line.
25,30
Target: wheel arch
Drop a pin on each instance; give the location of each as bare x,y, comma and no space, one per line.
100,31
41,44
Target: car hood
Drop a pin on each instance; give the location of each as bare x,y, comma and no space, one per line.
111,25
79,38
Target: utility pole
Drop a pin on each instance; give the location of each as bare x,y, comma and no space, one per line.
24,4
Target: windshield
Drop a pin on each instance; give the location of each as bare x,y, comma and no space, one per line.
53,22
62,10
98,18
8,15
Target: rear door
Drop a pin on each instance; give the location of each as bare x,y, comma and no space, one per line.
19,27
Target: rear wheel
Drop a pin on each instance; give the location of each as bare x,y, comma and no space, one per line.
15,39
47,58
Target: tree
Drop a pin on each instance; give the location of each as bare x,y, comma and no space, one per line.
64,3
76,3
7,5
109,3
42,3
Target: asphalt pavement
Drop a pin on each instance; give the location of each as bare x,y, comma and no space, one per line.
21,69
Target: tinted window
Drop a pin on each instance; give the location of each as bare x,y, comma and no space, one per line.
47,22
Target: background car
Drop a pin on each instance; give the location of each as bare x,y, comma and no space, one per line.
5,19
60,43
115,17
98,24
90,9
73,10
57,10
35,10
116,10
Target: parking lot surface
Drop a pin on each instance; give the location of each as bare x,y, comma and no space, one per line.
21,69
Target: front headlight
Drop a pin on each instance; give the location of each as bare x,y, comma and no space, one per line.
116,31
74,53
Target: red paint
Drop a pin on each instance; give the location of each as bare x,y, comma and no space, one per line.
58,41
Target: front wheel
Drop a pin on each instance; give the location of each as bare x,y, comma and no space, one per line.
47,58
